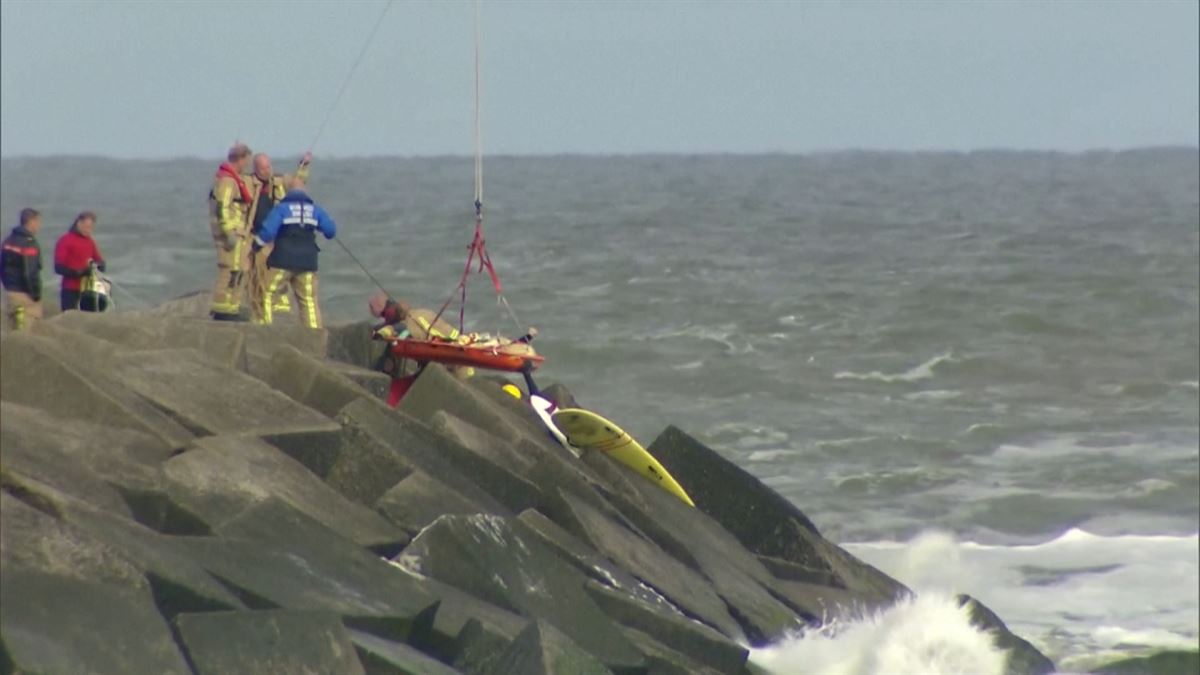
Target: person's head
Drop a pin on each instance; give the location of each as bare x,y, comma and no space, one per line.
31,220
262,166
296,183
239,156
380,302
85,223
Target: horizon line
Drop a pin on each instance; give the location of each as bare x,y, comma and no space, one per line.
617,155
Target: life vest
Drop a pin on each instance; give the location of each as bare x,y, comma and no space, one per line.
296,244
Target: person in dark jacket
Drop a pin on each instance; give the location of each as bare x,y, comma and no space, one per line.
77,258
21,271
268,189
293,225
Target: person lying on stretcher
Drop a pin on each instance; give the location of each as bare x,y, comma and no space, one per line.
423,324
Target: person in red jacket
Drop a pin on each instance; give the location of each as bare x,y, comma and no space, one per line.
77,258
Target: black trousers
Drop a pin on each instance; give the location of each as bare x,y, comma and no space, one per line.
87,302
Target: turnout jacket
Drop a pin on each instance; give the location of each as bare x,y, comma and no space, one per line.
228,204
21,263
71,256
293,226
268,193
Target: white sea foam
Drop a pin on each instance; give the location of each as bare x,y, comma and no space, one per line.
929,634
768,455
722,334
923,371
586,291
933,395
1075,596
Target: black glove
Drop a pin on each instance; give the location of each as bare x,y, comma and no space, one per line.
255,247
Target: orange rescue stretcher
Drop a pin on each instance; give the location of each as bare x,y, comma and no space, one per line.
471,349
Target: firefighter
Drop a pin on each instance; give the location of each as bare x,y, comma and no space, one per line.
228,205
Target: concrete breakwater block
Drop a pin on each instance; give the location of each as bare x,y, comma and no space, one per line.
273,557
586,559
73,604
436,390
670,628
736,574
385,657
457,610
764,521
211,400
219,343
314,382
1023,658
487,557
268,643
220,477
39,373
62,625
418,500
442,458
666,661
542,649
686,589
351,343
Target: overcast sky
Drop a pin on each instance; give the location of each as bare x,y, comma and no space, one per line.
165,79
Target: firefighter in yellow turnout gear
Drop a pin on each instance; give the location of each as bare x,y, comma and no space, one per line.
292,226
268,189
228,205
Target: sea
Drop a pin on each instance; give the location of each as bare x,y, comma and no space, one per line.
976,371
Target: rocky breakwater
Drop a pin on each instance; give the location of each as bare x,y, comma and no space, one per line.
182,496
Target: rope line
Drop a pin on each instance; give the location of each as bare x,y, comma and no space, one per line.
350,75
361,266
119,287
329,115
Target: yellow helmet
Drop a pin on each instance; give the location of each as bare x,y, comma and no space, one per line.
512,391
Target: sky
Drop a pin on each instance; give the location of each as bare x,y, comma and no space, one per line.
186,78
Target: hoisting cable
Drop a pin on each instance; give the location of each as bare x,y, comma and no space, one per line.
477,248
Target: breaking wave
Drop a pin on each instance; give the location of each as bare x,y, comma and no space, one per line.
921,372
928,634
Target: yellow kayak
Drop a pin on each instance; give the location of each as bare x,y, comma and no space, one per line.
587,430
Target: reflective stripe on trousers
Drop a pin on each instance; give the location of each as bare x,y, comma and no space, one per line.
227,290
304,287
432,332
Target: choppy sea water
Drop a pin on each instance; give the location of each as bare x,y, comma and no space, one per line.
1001,347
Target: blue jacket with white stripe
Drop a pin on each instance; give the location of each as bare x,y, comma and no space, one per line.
293,226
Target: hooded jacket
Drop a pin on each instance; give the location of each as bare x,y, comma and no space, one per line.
293,226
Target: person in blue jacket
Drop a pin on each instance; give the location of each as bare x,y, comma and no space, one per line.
293,225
